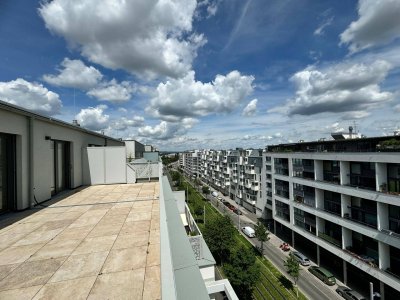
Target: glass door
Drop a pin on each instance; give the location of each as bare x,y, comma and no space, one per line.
61,166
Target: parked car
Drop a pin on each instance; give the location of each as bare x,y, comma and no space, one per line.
230,206
302,259
219,198
285,247
237,211
323,275
249,231
349,294
215,194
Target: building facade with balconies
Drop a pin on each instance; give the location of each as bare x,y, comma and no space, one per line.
338,202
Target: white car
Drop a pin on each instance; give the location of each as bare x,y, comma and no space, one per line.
249,231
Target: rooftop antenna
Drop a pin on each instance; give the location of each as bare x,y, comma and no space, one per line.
75,121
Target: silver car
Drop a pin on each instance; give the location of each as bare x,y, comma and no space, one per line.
349,294
302,259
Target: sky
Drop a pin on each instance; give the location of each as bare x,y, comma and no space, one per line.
205,74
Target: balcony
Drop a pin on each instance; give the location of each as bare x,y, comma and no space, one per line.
362,175
255,186
247,184
303,168
331,171
250,170
330,239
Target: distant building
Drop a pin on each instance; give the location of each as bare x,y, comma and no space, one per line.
134,149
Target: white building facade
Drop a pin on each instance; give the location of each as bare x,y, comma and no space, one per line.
338,202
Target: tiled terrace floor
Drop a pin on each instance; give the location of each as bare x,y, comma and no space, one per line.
102,242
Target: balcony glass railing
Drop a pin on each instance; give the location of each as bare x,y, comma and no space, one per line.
330,239
333,177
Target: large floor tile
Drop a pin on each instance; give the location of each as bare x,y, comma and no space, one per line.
20,294
137,239
31,274
152,283
57,249
105,230
125,259
38,237
154,236
76,289
77,266
73,233
97,244
126,285
7,269
153,256
18,254
134,227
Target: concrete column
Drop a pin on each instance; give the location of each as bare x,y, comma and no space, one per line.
293,239
344,172
319,198
291,196
290,164
383,216
320,225
384,255
346,238
291,213
380,175
346,203
318,170
382,290
318,256
344,272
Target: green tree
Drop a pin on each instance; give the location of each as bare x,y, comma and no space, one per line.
219,234
198,210
261,234
242,271
175,176
206,190
293,268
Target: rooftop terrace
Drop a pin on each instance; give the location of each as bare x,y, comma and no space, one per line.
100,242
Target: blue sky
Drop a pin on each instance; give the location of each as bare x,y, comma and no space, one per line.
219,74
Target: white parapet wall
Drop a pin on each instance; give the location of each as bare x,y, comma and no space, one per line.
105,165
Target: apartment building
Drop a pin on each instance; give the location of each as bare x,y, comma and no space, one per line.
339,203
236,173
189,162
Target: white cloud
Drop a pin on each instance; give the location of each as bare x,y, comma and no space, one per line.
250,109
322,26
93,117
185,97
74,73
343,88
167,130
124,123
148,38
30,95
113,91
397,107
378,24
